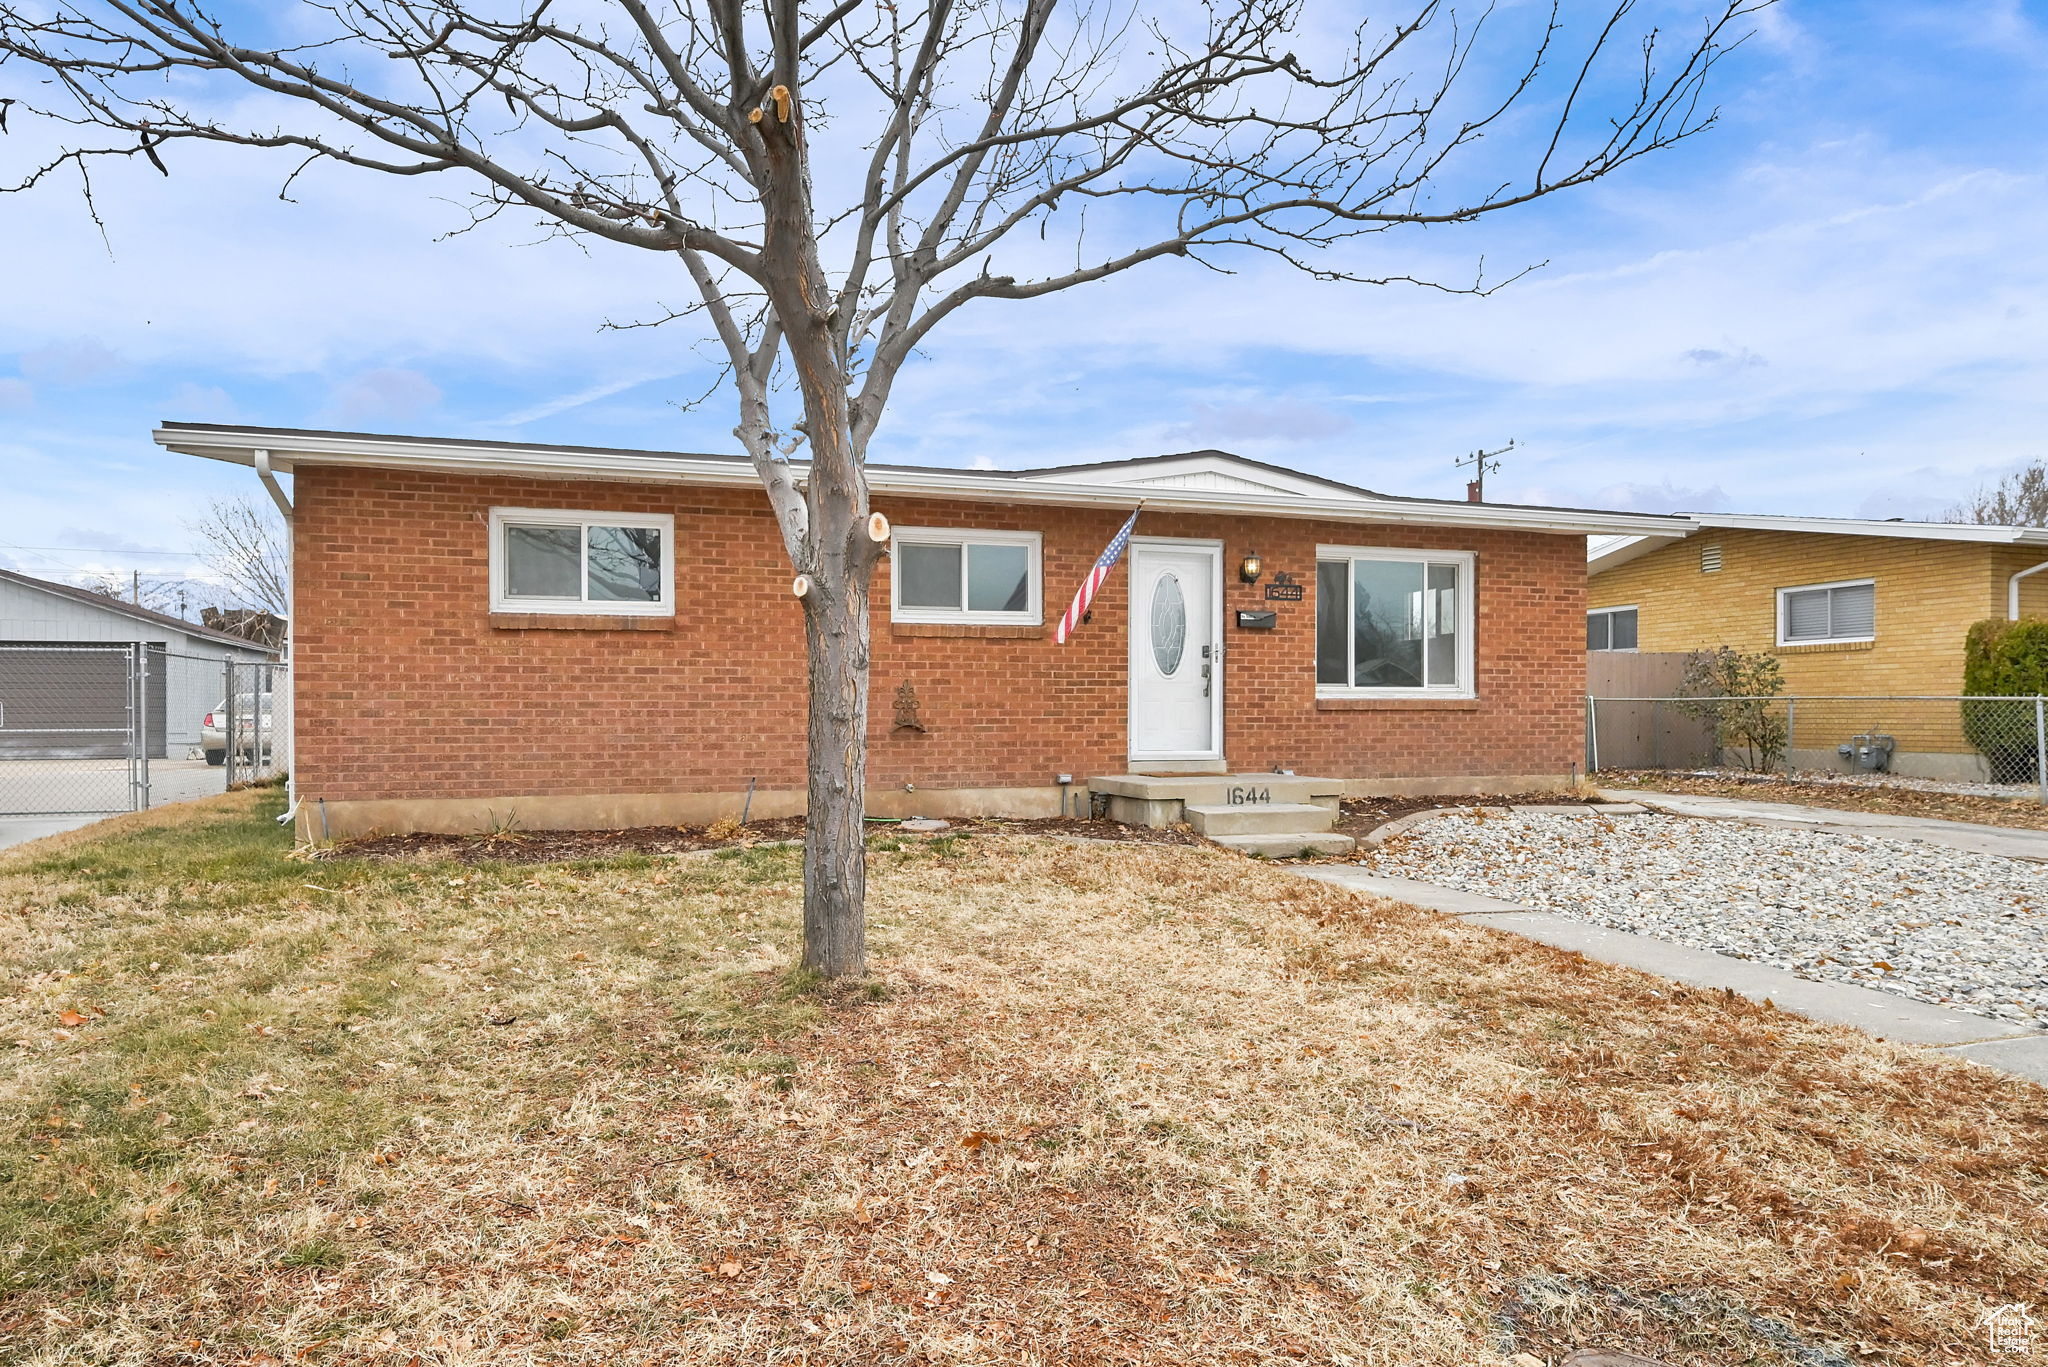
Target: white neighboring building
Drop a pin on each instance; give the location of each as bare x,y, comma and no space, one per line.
61,690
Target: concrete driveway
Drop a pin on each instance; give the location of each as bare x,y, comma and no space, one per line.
44,788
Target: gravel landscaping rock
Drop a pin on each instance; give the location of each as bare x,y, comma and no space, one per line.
1938,925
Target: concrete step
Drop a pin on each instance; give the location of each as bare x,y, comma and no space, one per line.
1143,800
1284,846
1273,818
1218,788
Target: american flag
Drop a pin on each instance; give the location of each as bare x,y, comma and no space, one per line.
1104,563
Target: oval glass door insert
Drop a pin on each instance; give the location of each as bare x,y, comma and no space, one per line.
1169,624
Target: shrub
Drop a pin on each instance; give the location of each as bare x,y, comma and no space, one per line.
1733,690
2005,660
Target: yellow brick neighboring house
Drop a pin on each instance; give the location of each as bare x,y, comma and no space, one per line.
1850,607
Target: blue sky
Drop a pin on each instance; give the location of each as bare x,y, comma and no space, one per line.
1836,302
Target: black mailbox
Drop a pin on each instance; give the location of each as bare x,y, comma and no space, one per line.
1257,619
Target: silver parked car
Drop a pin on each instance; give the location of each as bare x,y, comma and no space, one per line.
253,730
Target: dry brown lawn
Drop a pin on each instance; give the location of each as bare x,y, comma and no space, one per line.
1134,1104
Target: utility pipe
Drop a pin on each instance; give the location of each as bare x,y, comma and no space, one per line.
291,675
269,478
2012,590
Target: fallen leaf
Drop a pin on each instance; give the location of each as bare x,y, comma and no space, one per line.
728,1270
70,1017
978,1138
938,1279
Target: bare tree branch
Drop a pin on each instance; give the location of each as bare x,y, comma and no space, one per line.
242,543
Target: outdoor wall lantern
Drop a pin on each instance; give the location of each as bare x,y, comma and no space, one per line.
1249,568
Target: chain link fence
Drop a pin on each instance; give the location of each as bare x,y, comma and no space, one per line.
1992,743
256,715
87,728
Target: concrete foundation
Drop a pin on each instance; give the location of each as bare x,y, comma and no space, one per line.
1934,764
320,821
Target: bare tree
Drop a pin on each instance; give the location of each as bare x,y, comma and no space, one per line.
242,543
2018,500
170,594
837,177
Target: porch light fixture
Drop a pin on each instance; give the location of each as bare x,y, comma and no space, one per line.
1249,568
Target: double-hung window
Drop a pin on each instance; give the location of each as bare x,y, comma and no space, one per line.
613,564
1825,614
942,574
1611,629
1393,623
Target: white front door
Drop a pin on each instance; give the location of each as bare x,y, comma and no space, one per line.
1176,650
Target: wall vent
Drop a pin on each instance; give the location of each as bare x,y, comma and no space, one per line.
1710,558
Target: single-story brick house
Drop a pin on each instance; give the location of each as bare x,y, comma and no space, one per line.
1852,608
562,636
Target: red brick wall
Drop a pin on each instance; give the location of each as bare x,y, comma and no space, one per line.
406,689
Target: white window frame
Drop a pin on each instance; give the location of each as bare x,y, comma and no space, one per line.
1033,613
1468,596
1784,640
583,606
1620,607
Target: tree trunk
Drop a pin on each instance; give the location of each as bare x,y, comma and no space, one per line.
835,843
836,554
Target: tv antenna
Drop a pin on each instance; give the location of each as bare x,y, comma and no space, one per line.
1481,462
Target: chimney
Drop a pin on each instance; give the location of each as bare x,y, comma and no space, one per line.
1472,487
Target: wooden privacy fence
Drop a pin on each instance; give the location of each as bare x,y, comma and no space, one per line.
1641,737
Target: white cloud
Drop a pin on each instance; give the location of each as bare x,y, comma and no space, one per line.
1275,421
1823,326
549,408
202,403
70,361
385,395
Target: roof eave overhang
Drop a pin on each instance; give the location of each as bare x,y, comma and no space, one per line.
1639,546
289,450
1978,533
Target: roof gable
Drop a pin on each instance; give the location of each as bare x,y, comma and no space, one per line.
1219,471
134,612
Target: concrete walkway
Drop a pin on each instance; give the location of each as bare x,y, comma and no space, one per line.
2012,842
2012,1048
51,785
19,830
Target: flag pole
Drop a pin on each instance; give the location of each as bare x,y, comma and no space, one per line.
1077,611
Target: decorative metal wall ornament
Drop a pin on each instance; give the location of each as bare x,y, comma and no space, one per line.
1285,588
907,718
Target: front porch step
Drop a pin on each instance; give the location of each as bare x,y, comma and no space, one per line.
1271,818
1146,800
1285,846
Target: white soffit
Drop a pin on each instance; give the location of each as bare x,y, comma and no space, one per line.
1074,488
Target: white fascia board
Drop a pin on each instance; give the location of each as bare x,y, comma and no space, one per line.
947,484
1848,526
289,450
